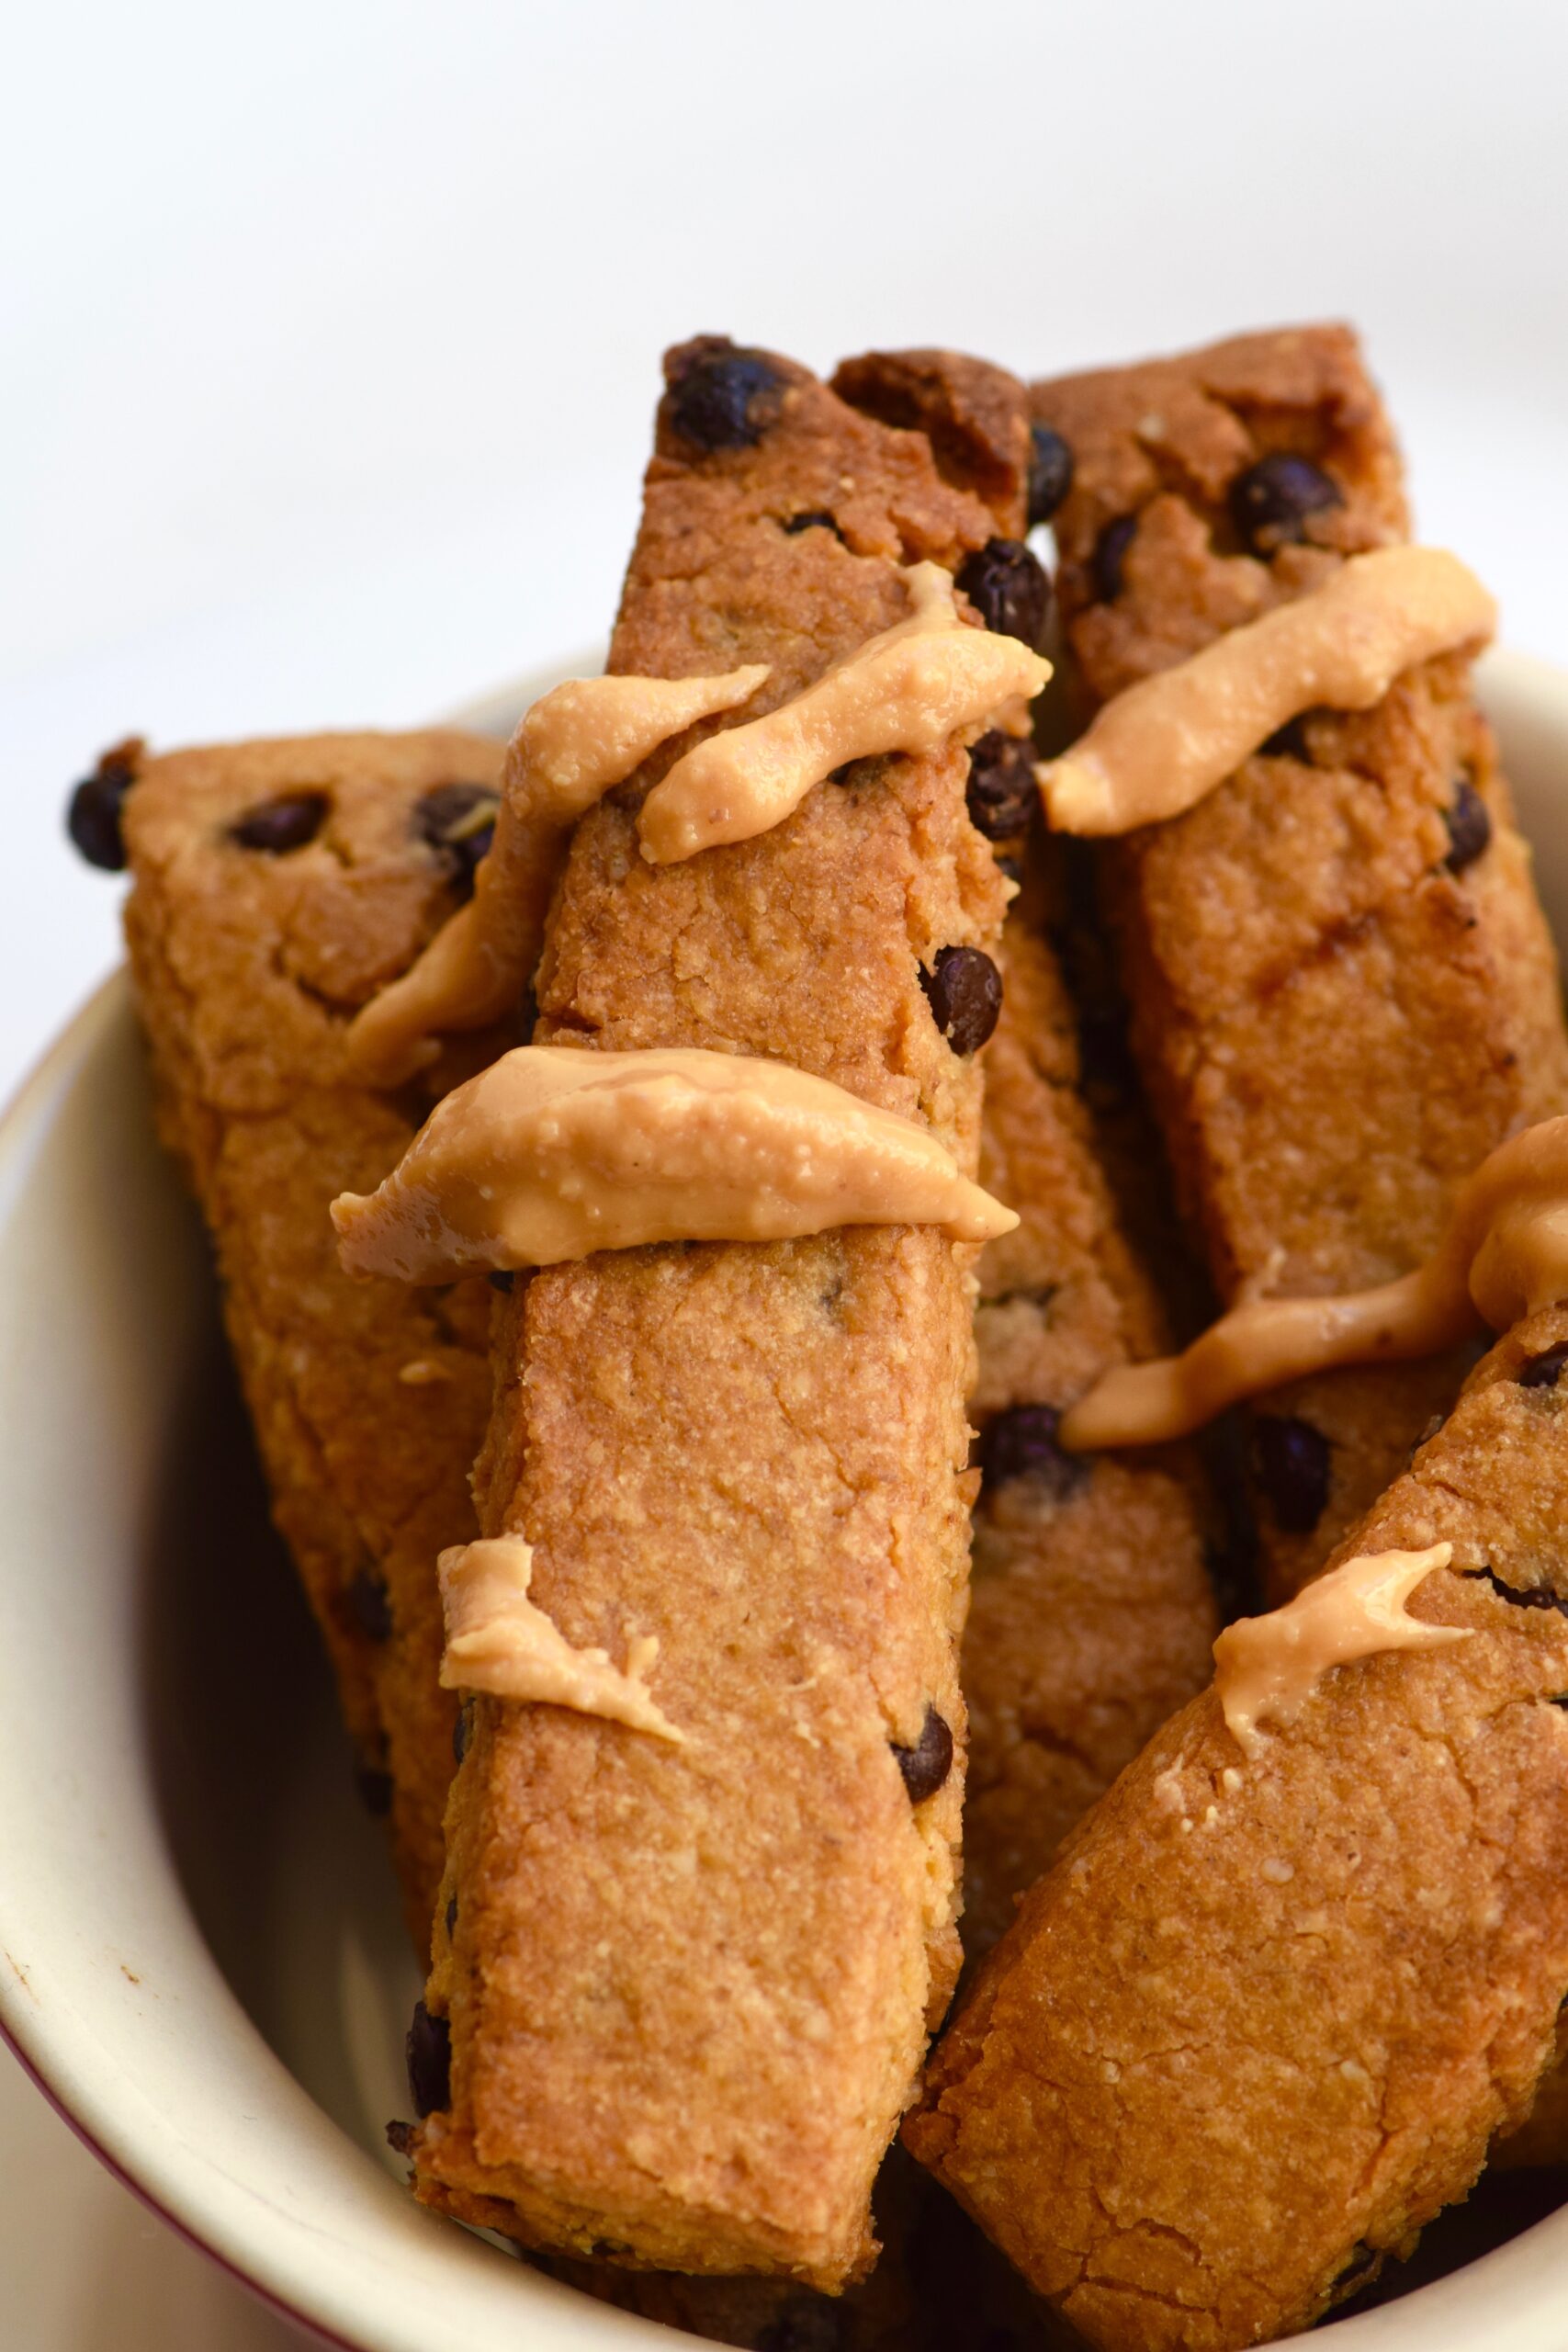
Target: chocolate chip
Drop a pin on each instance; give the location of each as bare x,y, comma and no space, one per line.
429,2051
503,1278
1545,1370
451,1917
1110,553
402,2137
369,1605
964,993
1012,867
1008,587
724,397
1022,1444
809,2323
93,815
276,826
1534,1596
1560,1699
1289,742
818,519
925,1765
1001,793
1050,472
1470,826
461,1730
1270,501
459,819
1293,1463
374,1788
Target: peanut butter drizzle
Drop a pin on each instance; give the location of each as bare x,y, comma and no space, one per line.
1504,1256
926,678
555,1152
572,747
499,1641
1270,1666
1161,746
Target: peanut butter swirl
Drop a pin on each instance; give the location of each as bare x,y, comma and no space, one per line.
1270,1666
499,1640
572,747
555,1152
1158,748
1504,1256
929,676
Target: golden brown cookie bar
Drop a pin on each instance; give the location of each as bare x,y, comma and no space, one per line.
1343,990
1259,2023
686,1988
1091,1610
277,886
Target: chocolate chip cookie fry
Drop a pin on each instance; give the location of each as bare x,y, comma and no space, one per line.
275,886
682,1985
1260,2022
1343,990
1091,1610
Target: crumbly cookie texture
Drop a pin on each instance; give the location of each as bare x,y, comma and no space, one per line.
1343,990
687,1988
1260,2022
1091,1610
369,1400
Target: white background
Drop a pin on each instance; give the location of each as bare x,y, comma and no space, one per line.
329,341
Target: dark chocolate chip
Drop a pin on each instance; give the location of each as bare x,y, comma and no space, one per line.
1050,472
502,1279
1289,742
461,1730
1022,1444
1270,501
369,1605
925,1765
374,1788
1560,1699
964,993
1008,587
1110,554
1292,1463
807,2324
429,2049
1470,826
451,1917
1545,1370
459,819
1002,795
401,2136
1534,1596
93,815
276,826
818,519
725,399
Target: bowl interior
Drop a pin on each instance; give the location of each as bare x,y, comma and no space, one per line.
203,1958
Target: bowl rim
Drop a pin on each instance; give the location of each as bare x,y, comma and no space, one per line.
1519,689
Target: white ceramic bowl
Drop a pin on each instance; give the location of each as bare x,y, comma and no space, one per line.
200,1956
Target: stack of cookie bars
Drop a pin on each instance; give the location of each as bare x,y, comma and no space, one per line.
680,1993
